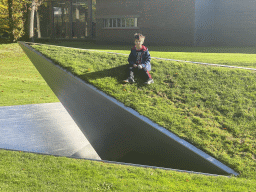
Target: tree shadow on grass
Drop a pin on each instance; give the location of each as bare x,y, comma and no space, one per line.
120,73
4,41
116,72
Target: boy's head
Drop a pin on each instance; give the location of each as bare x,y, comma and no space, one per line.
140,37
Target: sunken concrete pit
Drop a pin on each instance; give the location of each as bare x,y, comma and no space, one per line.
116,132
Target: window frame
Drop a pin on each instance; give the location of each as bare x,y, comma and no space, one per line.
108,23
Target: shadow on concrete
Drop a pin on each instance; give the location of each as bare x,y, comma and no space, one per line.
43,128
154,160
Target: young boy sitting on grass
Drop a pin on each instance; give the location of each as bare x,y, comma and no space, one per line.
139,59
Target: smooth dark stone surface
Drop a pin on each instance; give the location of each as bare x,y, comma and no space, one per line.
43,128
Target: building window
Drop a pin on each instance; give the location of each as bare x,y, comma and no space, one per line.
114,23
121,23
130,22
110,23
135,22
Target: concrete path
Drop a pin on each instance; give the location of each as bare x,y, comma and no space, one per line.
43,128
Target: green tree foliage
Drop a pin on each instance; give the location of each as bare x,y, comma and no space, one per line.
19,16
4,27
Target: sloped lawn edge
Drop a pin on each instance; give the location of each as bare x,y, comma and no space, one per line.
210,130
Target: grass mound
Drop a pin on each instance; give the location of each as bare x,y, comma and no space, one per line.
234,56
212,108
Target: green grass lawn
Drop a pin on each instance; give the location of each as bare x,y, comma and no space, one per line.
25,84
21,171
213,108
234,56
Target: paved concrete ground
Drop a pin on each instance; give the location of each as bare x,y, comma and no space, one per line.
43,128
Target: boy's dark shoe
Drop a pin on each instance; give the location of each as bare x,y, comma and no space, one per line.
129,80
149,81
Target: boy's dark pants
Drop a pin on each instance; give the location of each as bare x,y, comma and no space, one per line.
141,72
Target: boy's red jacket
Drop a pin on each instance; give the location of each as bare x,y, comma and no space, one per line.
143,57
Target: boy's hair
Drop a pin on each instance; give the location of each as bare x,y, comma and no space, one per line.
139,36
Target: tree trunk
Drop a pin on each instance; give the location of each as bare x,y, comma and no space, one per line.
38,25
26,18
31,25
11,24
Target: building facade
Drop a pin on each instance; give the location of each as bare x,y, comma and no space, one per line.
225,22
163,22
66,19
178,22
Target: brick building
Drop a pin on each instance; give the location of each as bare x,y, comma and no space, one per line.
178,22
225,22
67,19
163,22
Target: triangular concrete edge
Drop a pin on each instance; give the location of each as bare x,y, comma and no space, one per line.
146,120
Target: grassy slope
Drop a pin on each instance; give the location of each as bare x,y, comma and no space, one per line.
212,108
26,171
235,56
